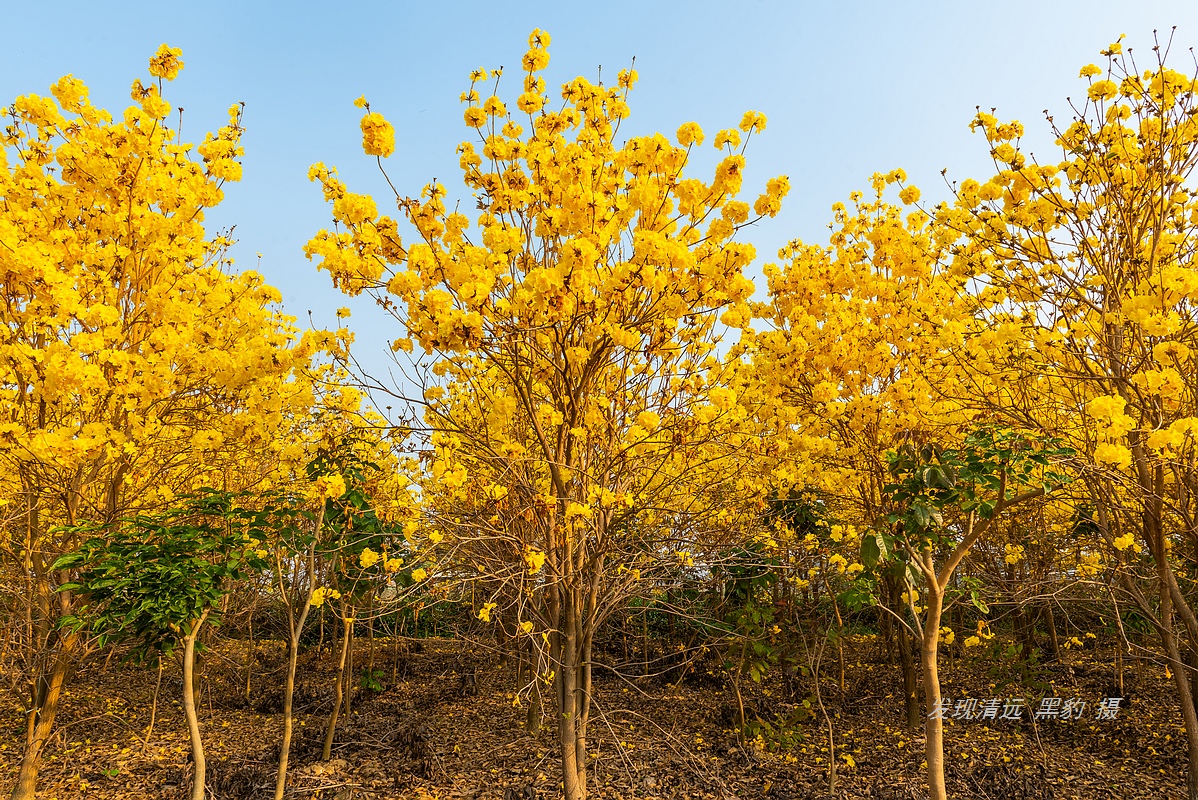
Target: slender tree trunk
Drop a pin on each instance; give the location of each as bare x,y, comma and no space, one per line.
839,641
189,708
910,679
569,683
573,769
819,698
370,633
740,700
349,671
532,721
288,698
153,710
1181,679
887,631
327,751
933,722
1053,641
296,626
249,660
645,638
47,693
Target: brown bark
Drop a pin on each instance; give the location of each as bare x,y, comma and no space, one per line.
327,751
1053,642
933,722
295,630
189,709
46,694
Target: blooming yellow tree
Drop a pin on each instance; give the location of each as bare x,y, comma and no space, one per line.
584,304
861,372
133,363
1089,271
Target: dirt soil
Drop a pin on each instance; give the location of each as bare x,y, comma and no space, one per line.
430,733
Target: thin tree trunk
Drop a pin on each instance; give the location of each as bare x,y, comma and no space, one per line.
573,770
645,639
624,634
327,751
839,642
249,660
349,671
933,722
887,631
827,723
532,721
910,681
189,708
153,710
296,625
1053,641
47,693
1181,680
740,700
288,698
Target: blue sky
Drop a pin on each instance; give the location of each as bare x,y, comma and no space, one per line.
849,88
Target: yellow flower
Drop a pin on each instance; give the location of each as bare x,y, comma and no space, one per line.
368,558
972,641
722,397
1113,454
166,63
329,486
320,594
753,121
1102,90
484,613
689,134
378,135
648,420
475,117
1125,541
535,60
393,564
419,574
729,137
534,559
494,107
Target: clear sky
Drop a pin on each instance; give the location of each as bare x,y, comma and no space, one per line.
849,88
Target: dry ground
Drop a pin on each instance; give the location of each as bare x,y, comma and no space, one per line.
423,737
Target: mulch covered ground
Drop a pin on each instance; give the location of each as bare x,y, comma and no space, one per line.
430,734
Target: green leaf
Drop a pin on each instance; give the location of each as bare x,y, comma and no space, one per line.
977,602
67,561
870,551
